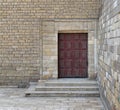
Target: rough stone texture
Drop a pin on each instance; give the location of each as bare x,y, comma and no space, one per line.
109,53
19,50
12,9
22,33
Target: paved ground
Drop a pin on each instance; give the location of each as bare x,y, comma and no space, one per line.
14,99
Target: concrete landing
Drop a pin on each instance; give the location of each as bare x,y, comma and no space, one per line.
14,99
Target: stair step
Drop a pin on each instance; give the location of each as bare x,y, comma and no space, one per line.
70,83
66,88
63,93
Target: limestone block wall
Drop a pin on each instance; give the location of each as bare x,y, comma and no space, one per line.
21,42
19,51
49,9
109,53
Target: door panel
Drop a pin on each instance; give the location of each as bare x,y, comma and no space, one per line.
72,55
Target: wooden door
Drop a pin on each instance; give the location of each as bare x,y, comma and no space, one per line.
73,55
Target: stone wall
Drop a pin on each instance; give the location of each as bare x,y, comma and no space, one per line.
50,30
21,34
26,9
109,53
19,51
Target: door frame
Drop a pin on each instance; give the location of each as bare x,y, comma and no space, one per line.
49,55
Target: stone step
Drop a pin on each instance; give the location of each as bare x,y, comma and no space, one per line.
67,88
52,83
62,94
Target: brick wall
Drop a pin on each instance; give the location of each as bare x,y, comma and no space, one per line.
21,38
109,53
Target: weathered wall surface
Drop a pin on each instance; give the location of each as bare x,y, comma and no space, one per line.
26,9
109,53
21,33
19,50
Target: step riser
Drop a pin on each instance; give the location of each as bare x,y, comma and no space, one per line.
62,95
67,89
68,84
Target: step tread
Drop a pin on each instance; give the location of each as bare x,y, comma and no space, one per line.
79,92
71,82
67,87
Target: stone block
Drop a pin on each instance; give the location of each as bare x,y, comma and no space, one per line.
118,50
46,76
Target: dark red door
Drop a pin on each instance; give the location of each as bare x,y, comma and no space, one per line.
72,57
